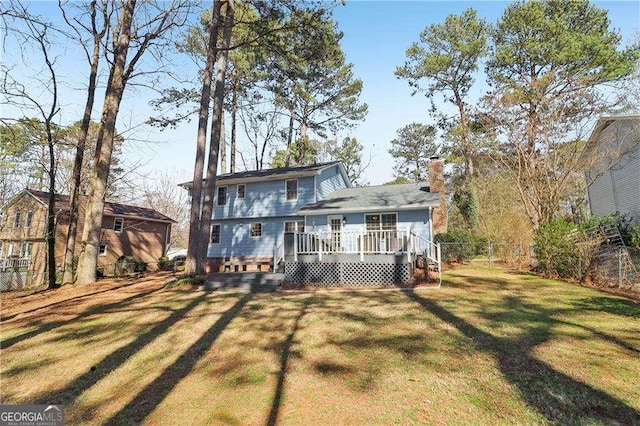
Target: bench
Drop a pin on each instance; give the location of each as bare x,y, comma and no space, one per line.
241,265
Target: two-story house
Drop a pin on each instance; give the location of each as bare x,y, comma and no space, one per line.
312,215
614,176
126,231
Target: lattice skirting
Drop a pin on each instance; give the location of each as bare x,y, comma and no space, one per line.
11,279
351,274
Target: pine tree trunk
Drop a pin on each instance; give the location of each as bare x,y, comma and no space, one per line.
234,112
72,232
51,214
104,148
216,126
194,265
223,146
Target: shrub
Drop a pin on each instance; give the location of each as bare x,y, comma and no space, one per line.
458,245
164,264
127,265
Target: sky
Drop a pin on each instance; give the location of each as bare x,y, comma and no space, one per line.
376,36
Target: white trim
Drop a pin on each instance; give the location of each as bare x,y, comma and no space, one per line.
219,234
364,218
106,249
115,220
244,192
250,230
286,191
226,195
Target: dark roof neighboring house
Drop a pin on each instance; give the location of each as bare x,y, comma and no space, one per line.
375,198
110,209
275,174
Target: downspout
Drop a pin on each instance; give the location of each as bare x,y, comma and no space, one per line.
431,224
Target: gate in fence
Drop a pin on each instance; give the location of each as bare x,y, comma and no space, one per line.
14,274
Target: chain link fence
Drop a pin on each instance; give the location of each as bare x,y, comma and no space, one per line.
517,255
617,266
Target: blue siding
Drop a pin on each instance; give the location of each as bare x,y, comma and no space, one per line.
329,180
236,240
264,199
416,221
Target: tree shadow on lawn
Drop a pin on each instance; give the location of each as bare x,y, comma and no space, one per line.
556,396
153,394
100,309
64,301
284,365
114,360
610,304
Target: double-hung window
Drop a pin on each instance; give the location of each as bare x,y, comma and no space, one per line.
256,230
294,226
16,220
292,189
222,195
25,249
215,233
28,219
241,191
118,224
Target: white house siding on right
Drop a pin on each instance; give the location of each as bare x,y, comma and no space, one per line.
617,189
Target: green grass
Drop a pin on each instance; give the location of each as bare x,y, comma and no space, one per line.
489,347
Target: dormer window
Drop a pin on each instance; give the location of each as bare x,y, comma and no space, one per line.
292,189
241,191
118,225
222,195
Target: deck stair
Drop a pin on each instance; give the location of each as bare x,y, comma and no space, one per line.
252,281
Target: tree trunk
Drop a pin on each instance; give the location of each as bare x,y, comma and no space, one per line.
195,261
72,231
289,138
234,112
51,213
223,145
104,148
216,126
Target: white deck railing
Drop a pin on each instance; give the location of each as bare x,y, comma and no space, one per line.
352,242
14,263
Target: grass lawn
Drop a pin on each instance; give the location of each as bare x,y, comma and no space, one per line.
489,347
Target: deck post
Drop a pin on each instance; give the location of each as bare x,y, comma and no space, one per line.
295,246
361,245
319,248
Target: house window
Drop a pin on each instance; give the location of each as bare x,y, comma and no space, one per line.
118,224
241,190
222,195
25,249
381,222
294,226
215,233
292,189
10,249
28,220
102,250
1,249
16,220
256,230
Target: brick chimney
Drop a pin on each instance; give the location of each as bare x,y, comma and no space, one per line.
436,184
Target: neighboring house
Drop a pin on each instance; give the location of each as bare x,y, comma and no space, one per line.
305,215
126,231
614,177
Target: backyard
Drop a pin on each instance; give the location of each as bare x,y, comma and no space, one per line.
490,346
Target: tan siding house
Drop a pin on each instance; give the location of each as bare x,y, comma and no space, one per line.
126,231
